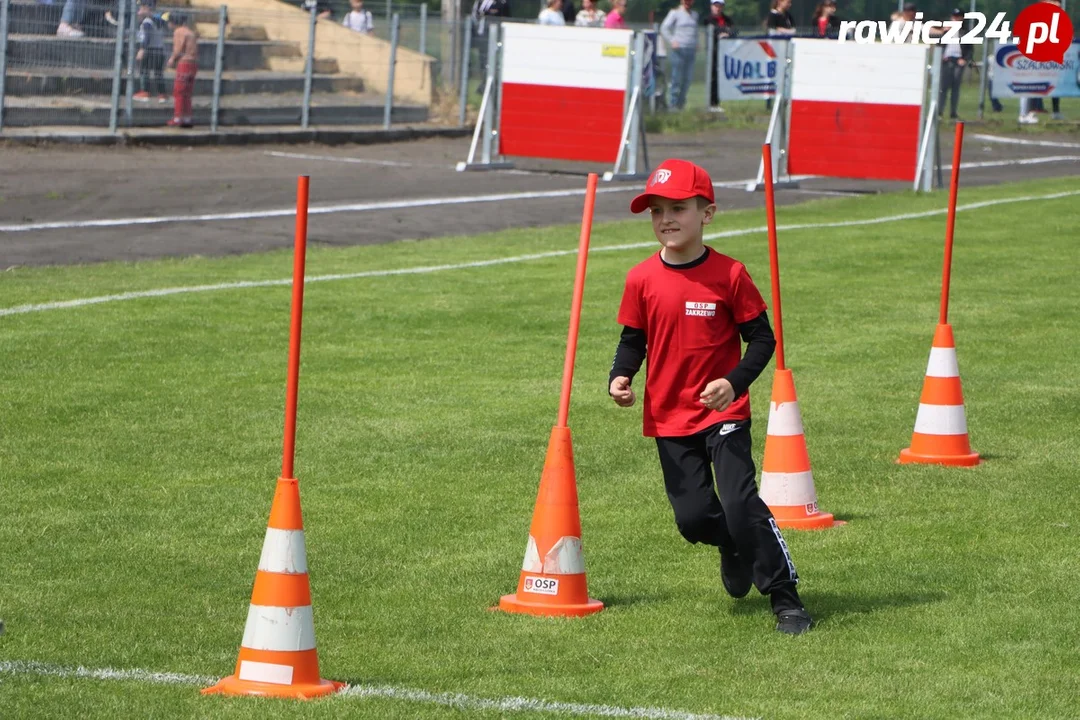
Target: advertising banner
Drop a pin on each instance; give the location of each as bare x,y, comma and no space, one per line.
749,68
1017,76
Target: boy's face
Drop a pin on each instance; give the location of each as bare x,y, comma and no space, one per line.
357,4
678,224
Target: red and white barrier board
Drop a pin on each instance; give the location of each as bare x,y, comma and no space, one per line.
563,91
856,110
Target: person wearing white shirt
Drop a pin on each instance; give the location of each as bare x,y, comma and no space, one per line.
552,14
590,15
359,19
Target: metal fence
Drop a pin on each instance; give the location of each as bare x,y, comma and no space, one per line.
82,63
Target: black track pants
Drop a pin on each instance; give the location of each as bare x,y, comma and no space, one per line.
736,520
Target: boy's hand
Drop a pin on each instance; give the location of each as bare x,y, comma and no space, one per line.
621,392
140,55
717,395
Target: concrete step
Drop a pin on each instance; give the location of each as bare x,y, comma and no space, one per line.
327,66
336,109
94,53
44,82
208,31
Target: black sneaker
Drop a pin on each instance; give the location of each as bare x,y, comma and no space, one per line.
734,575
793,622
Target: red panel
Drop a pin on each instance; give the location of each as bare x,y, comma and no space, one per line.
561,123
853,140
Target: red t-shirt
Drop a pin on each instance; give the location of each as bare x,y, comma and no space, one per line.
690,316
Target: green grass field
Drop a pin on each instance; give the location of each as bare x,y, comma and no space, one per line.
141,440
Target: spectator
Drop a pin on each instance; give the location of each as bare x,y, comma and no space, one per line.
590,15
358,19
721,27
680,30
780,20
552,14
899,20
826,24
569,11
71,19
484,11
185,58
954,58
616,19
151,52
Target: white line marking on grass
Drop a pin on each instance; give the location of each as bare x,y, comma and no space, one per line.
455,700
1024,141
161,292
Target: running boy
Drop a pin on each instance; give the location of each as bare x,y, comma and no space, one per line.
686,306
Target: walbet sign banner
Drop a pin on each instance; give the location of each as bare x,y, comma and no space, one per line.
751,68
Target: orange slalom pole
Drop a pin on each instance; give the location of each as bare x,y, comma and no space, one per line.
954,185
575,306
774,259
293,382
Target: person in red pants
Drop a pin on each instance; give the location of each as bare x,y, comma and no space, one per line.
185,58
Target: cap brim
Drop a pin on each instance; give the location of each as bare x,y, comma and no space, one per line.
641,202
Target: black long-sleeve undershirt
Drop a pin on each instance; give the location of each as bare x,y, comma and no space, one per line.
756,333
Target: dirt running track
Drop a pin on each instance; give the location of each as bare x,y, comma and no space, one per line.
73,185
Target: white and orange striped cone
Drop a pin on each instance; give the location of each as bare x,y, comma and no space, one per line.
787,484
941,436
552,579
277,653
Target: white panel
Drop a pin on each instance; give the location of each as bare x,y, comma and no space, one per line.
830,71
941,420
566,56
784,419
942,363
787,489
276,628
266,672
283,551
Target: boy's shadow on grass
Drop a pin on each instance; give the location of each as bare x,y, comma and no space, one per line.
823,605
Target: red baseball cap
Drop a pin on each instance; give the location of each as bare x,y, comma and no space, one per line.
675,180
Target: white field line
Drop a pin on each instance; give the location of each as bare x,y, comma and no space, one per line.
315,210
329,209
454,700
344,159
161,292
1025,141
1015,161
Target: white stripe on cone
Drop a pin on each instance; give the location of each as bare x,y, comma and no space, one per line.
941,420
780,489
266,672
564,558
283,551
278,628
942,363
785,419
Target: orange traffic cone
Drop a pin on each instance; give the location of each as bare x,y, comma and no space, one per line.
941,435
277,653
552,580
787,484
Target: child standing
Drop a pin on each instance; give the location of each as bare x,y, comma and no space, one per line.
687,306
151,53
185,57
359,19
